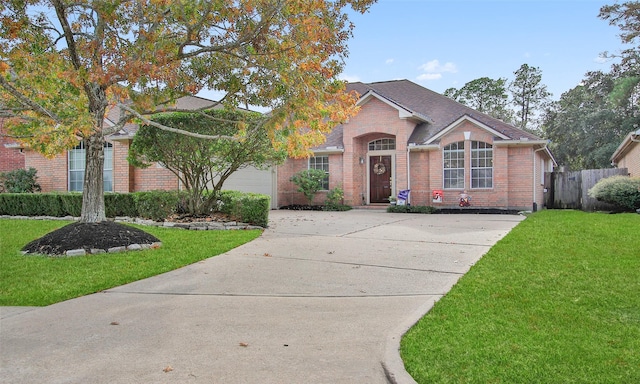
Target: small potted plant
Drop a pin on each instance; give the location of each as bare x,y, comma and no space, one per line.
392,200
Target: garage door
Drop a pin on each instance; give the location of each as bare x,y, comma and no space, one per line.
254,180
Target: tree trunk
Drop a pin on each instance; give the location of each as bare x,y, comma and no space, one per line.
93,210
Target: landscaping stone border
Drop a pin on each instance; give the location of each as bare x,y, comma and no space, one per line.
193,226
83,252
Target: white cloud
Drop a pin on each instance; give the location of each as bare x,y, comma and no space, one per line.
434,66
601,60
433,70
389,61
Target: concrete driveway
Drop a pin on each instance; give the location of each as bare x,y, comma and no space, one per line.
320,297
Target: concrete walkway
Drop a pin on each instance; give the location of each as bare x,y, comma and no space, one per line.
320,297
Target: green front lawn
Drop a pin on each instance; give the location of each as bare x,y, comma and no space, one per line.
556,301
40,280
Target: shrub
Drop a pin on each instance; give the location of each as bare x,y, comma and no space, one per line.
156,205
120,204
35,204
411,209
621,191
334,200
71,203
309,182
19,181
250,208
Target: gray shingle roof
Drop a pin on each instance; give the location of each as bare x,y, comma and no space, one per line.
439,111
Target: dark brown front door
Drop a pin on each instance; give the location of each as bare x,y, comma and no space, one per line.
379,179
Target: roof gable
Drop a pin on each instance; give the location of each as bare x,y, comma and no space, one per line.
403,112
458,122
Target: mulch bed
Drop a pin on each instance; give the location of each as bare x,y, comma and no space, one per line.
88,236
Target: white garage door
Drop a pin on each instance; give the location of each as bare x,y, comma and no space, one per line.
254,180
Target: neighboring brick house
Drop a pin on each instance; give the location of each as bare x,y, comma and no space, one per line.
406,137
11,156
627,155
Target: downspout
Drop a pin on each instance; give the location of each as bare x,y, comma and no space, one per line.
409,174
535,175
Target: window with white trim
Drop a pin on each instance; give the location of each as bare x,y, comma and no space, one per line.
321,162
481,165
77,164
453,165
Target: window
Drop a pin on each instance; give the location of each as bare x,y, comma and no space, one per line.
454,165
77,165
321,162
481,165
382,145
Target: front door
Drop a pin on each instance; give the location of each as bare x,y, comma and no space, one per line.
379,179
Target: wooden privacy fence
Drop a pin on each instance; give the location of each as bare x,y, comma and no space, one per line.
568,190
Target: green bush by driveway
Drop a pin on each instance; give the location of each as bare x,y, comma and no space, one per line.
556,301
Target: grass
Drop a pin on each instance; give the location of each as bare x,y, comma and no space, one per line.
555,301
40,280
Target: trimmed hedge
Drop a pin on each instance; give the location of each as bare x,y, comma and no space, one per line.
250,208
155,205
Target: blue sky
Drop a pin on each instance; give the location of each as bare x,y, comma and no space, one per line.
446,43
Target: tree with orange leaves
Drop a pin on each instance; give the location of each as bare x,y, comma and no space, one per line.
65,64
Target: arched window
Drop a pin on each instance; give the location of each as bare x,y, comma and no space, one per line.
382,145
77,166
481,165
453,165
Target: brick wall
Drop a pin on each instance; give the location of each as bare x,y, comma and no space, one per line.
155,177
52,173
122,171
288,192
520,177
10,158
631,160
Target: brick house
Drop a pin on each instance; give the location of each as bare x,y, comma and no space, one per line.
406,137
627,155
